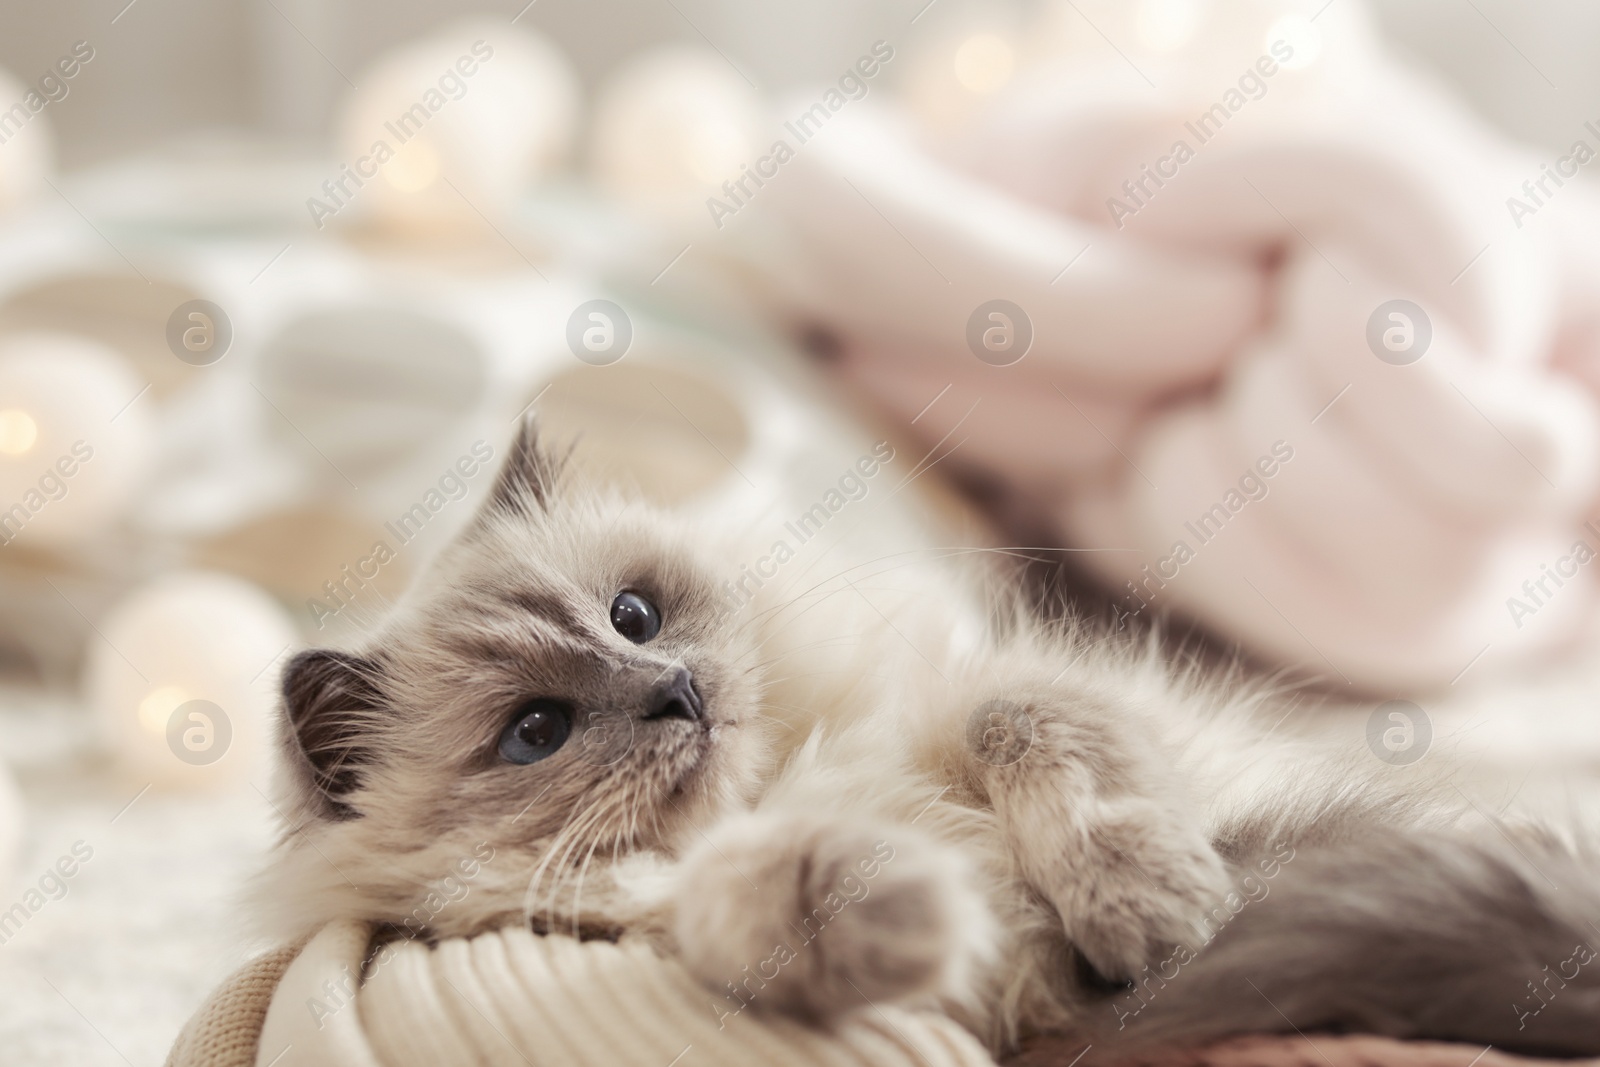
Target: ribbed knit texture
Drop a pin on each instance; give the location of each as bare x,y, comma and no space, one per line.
514,999
224,1032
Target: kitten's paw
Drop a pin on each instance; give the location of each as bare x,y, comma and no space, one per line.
1147,888
818,915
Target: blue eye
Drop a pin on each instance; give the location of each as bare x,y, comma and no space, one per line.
635,618
540,728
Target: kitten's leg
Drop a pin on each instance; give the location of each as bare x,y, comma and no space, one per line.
817,913
1087,797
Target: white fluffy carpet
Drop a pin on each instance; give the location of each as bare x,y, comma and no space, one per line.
107,974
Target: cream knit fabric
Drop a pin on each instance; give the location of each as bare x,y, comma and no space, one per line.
514,999
223,1032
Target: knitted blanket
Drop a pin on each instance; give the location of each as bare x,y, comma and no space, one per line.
1326,379
513,998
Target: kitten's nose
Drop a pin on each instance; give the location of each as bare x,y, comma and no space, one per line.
675,698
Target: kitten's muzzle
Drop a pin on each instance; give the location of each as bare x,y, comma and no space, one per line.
675,698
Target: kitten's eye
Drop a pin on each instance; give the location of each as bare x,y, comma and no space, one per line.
539,729
635,617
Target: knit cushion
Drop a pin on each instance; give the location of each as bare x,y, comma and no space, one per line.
515,999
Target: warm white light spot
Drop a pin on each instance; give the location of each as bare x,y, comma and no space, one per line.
413,168
157,708
713,151
984,63
1300,34
18,432
1168,25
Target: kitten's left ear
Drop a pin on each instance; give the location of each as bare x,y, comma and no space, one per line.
529,479
330,701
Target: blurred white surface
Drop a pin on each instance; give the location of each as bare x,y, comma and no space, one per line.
108,968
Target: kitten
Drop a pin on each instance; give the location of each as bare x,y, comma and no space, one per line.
894,786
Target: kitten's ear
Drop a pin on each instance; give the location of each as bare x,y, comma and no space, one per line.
528,478
331,700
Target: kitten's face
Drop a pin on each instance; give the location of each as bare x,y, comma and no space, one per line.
563,689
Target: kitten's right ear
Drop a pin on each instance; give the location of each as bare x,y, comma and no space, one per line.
332,701
528,478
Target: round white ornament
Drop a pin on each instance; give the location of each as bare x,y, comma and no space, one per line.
75,437
183,676
672,126
453,127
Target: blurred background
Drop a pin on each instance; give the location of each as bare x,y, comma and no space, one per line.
1273,322
272,69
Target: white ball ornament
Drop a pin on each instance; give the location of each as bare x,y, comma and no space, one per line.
953,75
183,677
27,149
453,127
74,442
671,127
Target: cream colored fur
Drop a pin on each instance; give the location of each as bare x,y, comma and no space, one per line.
905,788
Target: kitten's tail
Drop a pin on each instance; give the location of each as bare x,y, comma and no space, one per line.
1407,934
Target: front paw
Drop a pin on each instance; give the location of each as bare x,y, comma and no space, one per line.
815,916
1138,889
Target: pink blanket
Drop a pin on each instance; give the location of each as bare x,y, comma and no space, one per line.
1301,351
1319,1050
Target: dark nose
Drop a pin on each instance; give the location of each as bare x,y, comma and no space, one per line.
674,698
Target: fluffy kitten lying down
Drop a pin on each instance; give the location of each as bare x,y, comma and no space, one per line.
892,790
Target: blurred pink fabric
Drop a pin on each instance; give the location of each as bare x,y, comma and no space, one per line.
1180,349
1322,1050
